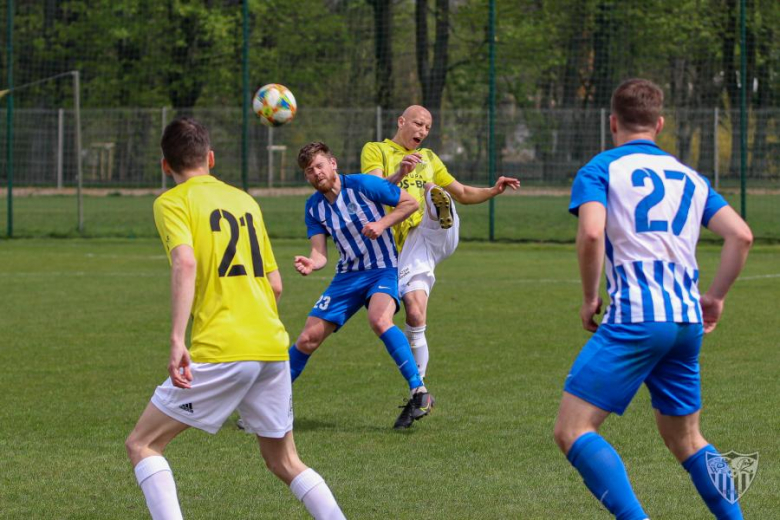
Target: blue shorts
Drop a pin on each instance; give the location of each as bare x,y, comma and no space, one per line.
619,358
348,292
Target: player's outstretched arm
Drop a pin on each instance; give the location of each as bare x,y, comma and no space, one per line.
317,259
737,239
590,254
183,271
406,206
465,194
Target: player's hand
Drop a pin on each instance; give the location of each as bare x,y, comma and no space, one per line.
304,265
588,310
408,164
506,182
711,309
179,365
373,230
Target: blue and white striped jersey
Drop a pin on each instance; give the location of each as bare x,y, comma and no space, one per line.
360,201
655,207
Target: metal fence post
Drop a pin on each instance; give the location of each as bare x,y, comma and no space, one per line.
164,122
492,115
60,145
77,110
743,113
715,148
245,101
603,124
270,157
9,114
378,123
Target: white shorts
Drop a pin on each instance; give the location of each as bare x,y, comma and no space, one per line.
426,246
260,390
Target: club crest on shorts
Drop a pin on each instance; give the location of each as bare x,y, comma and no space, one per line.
352,208
732,473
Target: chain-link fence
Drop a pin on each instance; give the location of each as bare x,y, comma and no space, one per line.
120,147
354,66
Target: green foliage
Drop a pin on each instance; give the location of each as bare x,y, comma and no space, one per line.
551,53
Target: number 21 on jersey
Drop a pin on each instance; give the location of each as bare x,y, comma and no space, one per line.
225,268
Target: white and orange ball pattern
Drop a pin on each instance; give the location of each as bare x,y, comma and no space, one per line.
274,104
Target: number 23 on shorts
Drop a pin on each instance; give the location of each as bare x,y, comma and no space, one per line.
322,303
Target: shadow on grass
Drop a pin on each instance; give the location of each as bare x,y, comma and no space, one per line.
303,424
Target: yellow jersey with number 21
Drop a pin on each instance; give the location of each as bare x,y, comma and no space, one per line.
234,314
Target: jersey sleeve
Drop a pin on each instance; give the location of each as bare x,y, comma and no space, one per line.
714,202
371,158
172,221
313,225
590,185
379,190
441,177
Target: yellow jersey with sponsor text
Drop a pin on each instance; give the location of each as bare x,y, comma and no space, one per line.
234,313
386,156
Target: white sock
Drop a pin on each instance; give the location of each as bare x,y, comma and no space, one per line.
416,337
311,489
155,477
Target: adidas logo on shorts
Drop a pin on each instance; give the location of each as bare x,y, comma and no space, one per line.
187,408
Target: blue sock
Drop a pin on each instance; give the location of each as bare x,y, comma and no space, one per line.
398,347
605,476
297,362
697,466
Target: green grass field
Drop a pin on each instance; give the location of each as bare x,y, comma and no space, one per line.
83,333
533,218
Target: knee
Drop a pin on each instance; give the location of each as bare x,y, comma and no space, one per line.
285,468
308,342
134,447
276,466
379,325
683,445
565,436
562,438
415,316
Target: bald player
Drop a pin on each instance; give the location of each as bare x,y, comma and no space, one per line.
429,235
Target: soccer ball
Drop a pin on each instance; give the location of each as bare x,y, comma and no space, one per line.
274,104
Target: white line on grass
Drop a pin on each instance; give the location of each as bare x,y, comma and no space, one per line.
759,277
514,281
142,257
79,274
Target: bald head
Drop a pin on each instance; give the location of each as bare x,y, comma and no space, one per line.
413,127
416,111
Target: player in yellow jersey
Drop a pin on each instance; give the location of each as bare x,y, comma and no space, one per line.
223,274
431,234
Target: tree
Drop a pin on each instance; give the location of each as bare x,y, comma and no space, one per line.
432,77
383,51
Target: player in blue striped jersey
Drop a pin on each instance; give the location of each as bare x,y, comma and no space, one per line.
350,209
640,211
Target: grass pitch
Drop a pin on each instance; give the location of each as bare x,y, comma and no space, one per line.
83,343
518,218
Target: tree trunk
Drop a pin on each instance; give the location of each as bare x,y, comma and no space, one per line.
557,156
433,78
729,44
602,83
383,51
186,77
